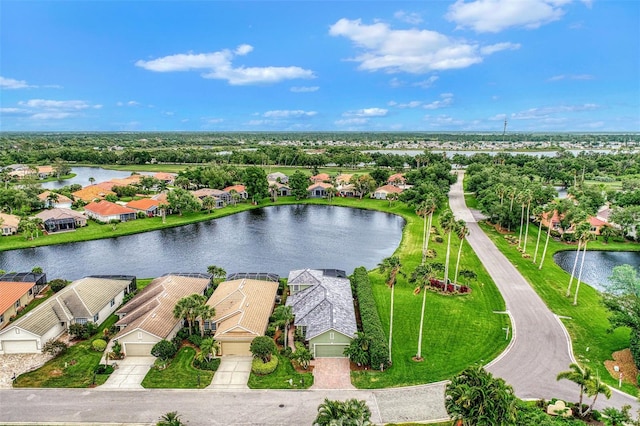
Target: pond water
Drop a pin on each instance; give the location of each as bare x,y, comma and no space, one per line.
84,173
598,265
272,239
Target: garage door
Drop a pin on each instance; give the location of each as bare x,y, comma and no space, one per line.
330,351
20,346
236,348
138,349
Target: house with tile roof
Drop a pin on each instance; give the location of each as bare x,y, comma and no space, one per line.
92,192
90,299
147,206
240,189
9,224
62,201
106,211
58,220
14,296
320,177
278,177
222,197
397,179
383,192
148,317
318,189
284,190
243,308
322,305
168,178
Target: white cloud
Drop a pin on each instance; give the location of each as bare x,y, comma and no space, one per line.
51,115
12,110
395,83
571,77
425,84
549,112
10,83
496,15
57,105
351,121
413,50
283,114
304,89
366,112
408,17
218,65
446,99
412,104
211,120
133,103
45,109
488,50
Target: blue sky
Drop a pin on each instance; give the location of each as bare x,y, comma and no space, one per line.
544,65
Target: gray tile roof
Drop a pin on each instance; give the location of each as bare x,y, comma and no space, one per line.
326,305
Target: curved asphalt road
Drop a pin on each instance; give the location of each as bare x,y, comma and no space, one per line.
540,348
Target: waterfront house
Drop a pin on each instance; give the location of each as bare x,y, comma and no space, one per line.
283,189
106,211
278,177
318,189
240,189
168,178
9,224
147,206
397,179
92,192
383,192
56,220
61,201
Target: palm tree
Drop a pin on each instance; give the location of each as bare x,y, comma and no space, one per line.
217,271
349,412
522,197
205,313
171,418
529,197
52,198
538,212
579,230
391,266
422,276
92,180
284,316
586,236
331,192
595,387
427,207
273,189
209,203
463,231
208,348
188,307
578,375
329,412
448,223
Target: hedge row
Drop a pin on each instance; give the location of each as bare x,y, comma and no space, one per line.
264,368
371,324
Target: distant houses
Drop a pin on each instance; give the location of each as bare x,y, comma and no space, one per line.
9,224
106,211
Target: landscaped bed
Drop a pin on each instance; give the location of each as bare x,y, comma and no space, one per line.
178,373
281,377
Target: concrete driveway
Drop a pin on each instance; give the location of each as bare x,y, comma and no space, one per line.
130,373
331,373
233,373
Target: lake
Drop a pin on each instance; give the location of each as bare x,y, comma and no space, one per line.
598,265
272,239
82,175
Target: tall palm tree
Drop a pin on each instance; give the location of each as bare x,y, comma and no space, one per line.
538,212
529,199
596,387
273,189
586,236
522,198
217,271
205,313
448,223
421,276
284,316
208,348
426,207
578,232
187,308
578,375
391,266
92,180
209,203
463,231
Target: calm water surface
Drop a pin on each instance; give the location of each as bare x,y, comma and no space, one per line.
273,239
598,265
84,173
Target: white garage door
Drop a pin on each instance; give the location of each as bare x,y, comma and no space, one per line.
138,349
20,346
236,348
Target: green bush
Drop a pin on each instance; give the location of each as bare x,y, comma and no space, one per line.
271,330
634,346
371,324
164,350
205,364
264,368
103,369
99,345
195,339
57,284
262,347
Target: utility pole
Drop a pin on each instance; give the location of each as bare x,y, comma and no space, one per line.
504,131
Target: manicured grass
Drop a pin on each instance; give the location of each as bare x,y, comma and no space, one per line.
471,200
587,323
279,379
459,330
179,373
73,369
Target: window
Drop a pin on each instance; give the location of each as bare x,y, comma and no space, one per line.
81,320
1,318
30,292
113,302
332,335
96,317
18,304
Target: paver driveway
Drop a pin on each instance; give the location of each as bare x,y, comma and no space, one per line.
233,373
331,373
130,373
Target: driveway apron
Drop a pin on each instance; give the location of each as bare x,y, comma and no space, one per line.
331,373
233,373
130,373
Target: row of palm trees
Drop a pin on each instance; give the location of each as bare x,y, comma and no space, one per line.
425,272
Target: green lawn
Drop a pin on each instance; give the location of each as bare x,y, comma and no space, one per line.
279,379
588,321
458,330
471,200
73,369
179,373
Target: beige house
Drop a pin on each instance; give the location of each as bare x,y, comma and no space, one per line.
148,318
8,224
243,308
90,299
14,296
383,192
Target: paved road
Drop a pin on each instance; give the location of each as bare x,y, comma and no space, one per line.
541,347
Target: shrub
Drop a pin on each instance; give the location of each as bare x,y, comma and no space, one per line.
264,368
286,352
103,369
164,350
177,341
271,330
438,239
262,347
280,339
99,345
195,339
116,352
205,364
55,347
57,284
79,331
634,346
183,333
371,324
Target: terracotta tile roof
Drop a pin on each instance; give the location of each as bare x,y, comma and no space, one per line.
106,185
143,204
91,192
594,221
397,177
107,208
324,185
129,180
11,292
162,197
164,176
152,309
320,177
389,188
9,220
243,307
61,198
45,169
344,178
237,188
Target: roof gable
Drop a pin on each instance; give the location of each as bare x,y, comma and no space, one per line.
11,292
